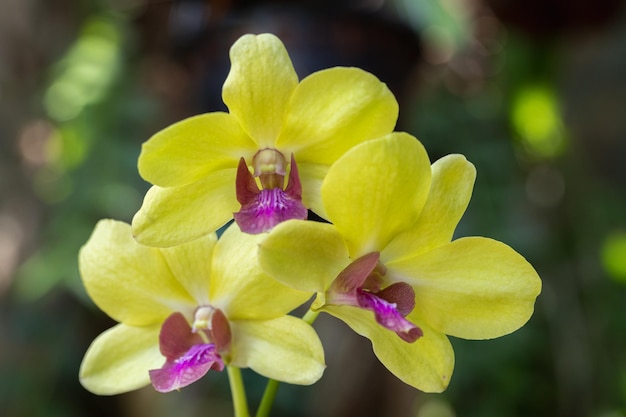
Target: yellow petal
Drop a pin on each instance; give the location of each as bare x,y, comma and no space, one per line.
311,177
174,215
193,148
128,281
285,349
119,359
333,110
304,254
376,190
190,263
240,288
259,85
450,193
425,364
474,287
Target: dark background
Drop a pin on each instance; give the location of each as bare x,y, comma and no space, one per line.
533,93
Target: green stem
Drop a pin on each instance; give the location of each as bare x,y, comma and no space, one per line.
310,316
269,395
238,392
268,398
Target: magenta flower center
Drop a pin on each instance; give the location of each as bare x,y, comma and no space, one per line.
190,353
265,207
359,285
387,314
272,201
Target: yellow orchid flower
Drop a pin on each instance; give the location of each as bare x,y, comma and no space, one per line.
201,167
388,266
187,309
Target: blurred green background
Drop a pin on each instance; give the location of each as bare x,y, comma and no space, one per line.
533,93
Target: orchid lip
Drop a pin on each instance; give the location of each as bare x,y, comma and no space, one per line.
262,209
359,285
388,315
186,369
188,356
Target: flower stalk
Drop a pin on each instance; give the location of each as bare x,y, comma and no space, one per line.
269,395
240,404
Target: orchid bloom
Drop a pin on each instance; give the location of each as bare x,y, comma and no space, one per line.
388,267
207,167
185,310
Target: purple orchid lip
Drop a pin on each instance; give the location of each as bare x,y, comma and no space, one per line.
359,285
262,209
187,369
388,315
187,357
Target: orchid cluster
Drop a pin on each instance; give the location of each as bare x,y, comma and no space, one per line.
383,260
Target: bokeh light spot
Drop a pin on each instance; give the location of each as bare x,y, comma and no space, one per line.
614,256
64,100
87,70
436,408
32,142
536,118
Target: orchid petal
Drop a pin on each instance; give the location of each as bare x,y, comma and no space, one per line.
333,110
194,148
425,364
190,263
285,349
376,190
237,275
311,177
304,255
258,86
450,193
474,287
170,216
130,282
119,359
